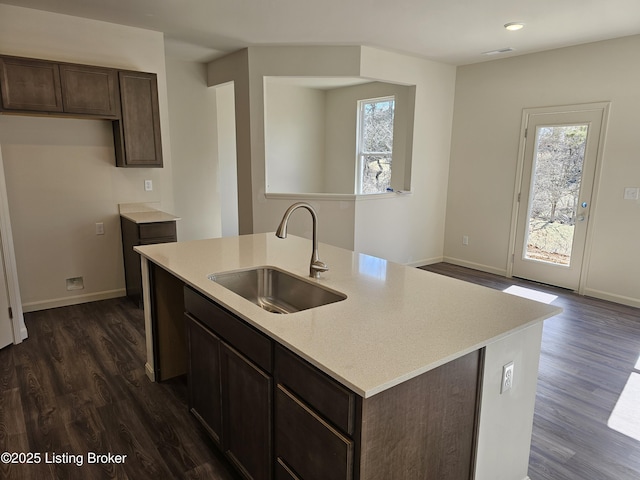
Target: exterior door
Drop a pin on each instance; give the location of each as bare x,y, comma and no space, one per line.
560,155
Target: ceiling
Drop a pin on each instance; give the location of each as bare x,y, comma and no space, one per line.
450,31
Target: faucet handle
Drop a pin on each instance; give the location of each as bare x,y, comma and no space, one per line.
317,267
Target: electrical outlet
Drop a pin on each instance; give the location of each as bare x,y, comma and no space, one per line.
99,228
631,193
507,377
148,185
465,239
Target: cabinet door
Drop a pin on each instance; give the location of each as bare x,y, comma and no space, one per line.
308,445
30,85
204,378
137,135
89,90
246,403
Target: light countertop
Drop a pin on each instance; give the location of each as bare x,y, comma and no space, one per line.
144,213
396,323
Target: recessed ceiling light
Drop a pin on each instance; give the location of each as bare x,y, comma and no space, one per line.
513,26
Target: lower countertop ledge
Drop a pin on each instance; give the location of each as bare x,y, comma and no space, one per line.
396,323
145,213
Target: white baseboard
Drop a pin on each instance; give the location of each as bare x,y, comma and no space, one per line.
75,300
148,369
476,266
428,261
612,297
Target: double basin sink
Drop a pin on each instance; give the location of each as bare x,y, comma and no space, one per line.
275,290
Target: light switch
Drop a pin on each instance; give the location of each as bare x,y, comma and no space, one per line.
631,193
99,228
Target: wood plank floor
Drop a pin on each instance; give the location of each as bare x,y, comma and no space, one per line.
590,353
77,385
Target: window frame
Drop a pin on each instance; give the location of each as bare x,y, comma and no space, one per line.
360,154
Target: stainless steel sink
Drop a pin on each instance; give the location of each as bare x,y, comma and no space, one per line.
275,290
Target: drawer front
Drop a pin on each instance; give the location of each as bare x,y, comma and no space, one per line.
157,229
322,393
251,343
308,445
153,241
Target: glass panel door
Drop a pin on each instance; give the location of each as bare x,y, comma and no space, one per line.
559,160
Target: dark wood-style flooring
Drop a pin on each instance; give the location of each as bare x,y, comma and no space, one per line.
589,354
78,385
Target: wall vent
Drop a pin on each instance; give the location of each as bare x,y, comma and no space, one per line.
498,52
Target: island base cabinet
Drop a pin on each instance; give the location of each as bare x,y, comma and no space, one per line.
424,428
246,406
307,447
274,414
230,392
205,401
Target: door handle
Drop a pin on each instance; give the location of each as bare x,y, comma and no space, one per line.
581,218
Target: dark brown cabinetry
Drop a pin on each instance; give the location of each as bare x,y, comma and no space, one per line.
230,384
422,429
90,90
30,85
134,234
246,418
314,421
129,99
137,135
205,400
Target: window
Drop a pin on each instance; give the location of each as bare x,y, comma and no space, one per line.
375,144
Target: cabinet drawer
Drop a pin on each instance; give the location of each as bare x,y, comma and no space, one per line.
307,444
322,393
157,230
251,343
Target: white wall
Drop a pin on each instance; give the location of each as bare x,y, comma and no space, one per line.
60,173
506,419
342,132
294,138
489,101
419,218
410,229
194,147
227,158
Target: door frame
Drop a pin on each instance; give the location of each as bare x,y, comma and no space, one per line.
10,268
526,114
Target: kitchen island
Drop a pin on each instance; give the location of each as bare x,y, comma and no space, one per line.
400,332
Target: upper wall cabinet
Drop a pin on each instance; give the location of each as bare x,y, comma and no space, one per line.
30,85
90,90
137,136
128,99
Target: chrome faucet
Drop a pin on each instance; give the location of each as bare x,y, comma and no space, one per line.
316,265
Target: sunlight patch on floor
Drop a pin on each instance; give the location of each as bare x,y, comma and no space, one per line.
530,294
625,417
